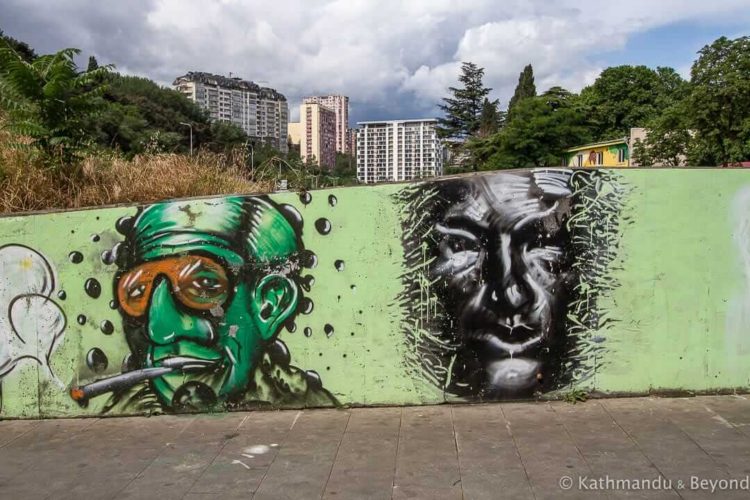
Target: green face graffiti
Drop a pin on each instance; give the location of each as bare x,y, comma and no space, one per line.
205,287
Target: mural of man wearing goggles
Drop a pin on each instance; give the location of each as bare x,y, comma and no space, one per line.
204,288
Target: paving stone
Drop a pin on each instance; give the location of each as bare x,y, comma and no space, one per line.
546,450
677,456
34,464
488,459
733,409
609,451
366,460
303,464
247,454
427,463
513,450
723,442
13,429
180,463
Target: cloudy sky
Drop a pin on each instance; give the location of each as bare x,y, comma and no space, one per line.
393,58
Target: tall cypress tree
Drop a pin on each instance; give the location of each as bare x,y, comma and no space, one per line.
93,64
525,87
464,108
490,119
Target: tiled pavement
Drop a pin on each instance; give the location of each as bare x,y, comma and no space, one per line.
633,448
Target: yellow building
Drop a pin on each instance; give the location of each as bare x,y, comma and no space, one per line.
316,134
601,154
295,133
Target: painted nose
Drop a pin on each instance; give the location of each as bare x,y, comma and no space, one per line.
168,324
508,289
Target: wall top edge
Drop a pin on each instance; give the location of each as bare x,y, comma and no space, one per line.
361,186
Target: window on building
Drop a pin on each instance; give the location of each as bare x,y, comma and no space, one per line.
579,160
621,155
600,158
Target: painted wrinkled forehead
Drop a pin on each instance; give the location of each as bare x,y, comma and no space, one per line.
512,200
236,229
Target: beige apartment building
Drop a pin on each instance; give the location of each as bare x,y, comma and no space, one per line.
398,150
340,106
263,113
315,133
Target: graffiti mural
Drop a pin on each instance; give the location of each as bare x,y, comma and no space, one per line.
31,323
204,289
493,269
500,285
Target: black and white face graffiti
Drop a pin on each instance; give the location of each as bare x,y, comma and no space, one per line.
500,270
502,279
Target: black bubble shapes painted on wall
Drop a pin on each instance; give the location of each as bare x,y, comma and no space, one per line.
308,259
124,224
75,257
93,288
503,278
107,327
306,305
307,282
323,226
96,360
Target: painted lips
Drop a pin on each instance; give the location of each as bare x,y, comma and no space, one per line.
502,344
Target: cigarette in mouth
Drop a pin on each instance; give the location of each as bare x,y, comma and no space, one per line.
83,393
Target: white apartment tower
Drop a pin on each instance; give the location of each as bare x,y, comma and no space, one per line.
261,112
398,150
340,106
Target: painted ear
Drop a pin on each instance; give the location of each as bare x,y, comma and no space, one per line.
276,298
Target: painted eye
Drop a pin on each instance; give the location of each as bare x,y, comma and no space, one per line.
208,286
457,244
137,292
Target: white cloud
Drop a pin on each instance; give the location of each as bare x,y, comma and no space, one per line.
391,57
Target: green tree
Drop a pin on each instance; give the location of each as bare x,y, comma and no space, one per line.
21,48
719,103
93,64
667,141
537,133
491,119
464,107
226,136
140,115
624,97
49,100
345,170
525,87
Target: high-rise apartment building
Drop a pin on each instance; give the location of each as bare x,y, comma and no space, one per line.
261,112
317,134
340,106
398,150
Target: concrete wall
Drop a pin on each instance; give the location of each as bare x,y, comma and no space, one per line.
516,284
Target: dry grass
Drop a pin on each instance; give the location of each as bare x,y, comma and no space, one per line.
27,184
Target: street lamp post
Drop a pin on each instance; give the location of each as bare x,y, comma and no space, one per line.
191,135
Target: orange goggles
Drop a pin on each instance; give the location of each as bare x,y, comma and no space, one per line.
197,282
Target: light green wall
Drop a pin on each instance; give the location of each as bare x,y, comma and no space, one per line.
681,309
680,273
